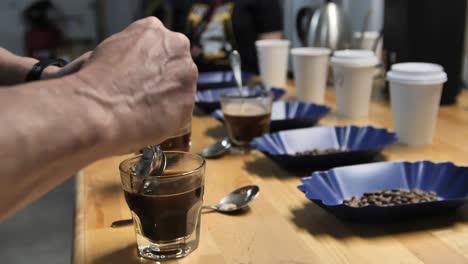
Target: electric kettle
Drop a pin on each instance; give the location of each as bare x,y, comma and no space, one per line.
327,26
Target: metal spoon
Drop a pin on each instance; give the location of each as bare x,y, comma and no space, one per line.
161,161
152,162
234,201
236,62
217,150
146,163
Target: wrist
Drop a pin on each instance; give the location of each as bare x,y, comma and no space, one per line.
45,70
24,66
97,122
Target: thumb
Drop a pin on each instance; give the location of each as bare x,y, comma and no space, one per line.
75,65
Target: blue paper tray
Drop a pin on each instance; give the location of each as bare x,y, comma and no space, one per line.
330,188
364,145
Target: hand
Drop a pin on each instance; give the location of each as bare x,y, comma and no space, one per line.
53,72
145,80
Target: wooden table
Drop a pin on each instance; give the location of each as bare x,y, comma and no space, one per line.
282,226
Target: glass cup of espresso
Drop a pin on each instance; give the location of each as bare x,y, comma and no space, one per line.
180,141
166,209
246,117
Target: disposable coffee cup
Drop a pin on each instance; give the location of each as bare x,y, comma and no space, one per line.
353,72
415,92
310,73
273,61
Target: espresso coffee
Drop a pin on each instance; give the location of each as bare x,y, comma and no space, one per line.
180,143
246,121
166,217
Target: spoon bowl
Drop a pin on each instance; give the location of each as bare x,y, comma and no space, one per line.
236,200
217,150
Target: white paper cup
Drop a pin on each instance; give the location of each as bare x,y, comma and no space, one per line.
353,72
310,73
415,91
273,61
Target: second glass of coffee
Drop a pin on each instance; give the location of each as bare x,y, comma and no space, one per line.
180,141
246,117
166,209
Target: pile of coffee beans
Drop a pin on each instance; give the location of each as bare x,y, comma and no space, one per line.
316,152
392,197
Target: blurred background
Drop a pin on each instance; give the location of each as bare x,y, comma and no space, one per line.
83,23
68,28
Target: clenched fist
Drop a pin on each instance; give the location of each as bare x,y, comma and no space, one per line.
143,80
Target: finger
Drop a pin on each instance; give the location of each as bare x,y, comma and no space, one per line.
76,64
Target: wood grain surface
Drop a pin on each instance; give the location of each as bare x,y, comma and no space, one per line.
281,226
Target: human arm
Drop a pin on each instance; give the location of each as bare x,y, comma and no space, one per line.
137,88
13,68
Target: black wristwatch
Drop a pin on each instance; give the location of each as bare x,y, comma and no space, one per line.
38,68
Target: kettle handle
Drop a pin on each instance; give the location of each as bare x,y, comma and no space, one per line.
304,15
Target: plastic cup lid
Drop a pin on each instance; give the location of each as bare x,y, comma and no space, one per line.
417,73
355,58
311,51
272,42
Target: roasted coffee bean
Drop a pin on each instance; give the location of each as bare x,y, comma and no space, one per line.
316,152
392,197
387,193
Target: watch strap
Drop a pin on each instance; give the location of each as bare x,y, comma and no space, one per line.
37,69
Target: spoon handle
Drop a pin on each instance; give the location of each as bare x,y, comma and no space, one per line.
122,223
210,207
235,61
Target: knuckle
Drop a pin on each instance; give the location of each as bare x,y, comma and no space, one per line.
138,23
147,31
178,43
194,71
183,41
152,21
